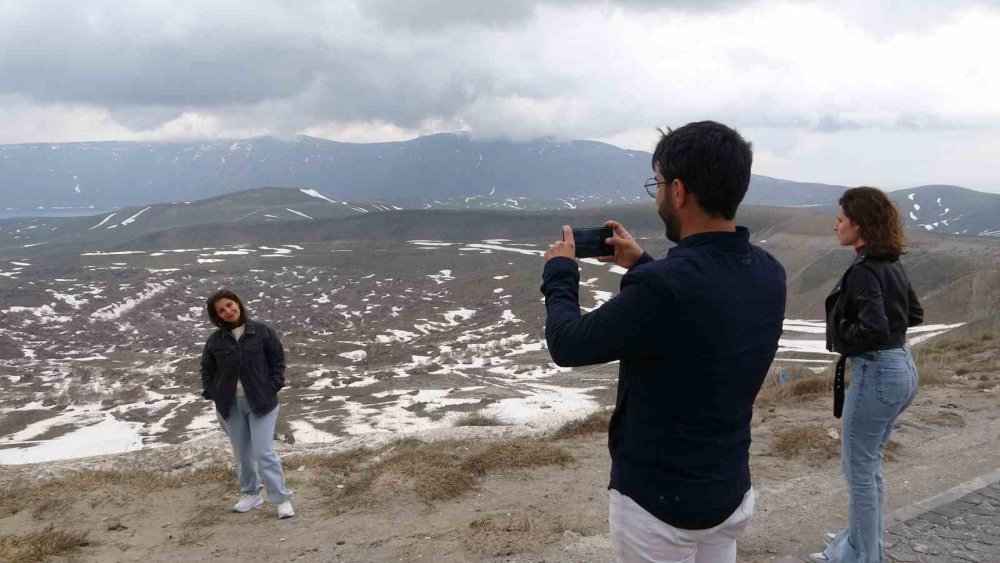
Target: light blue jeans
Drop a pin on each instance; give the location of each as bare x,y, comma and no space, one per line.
252,438
883,384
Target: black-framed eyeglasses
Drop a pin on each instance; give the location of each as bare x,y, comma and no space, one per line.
652,185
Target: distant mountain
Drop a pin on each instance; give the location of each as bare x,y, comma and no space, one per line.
765,190
252,208
444,166
443,171
955,276
943,209
950,210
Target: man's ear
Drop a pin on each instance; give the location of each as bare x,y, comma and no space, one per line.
679,193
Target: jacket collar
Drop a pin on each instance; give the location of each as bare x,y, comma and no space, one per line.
247,328
860,255
738,241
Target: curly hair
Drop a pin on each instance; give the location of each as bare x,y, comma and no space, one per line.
214,316
878,219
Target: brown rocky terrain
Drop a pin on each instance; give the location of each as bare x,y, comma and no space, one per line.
495,492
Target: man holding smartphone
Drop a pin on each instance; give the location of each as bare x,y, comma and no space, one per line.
695,333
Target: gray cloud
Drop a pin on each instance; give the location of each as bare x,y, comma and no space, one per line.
113,55
435,14
302,65
576,68
833,123
120,57
886,19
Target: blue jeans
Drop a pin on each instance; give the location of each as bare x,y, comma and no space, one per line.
252,438
883,384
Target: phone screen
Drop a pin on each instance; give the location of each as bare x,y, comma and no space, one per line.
590,242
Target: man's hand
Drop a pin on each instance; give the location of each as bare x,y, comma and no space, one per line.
565,247
627,250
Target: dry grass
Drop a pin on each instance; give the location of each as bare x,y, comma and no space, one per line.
429,470
947,419
51,505
933,376
36,546
478,418
502,536
893,451
342,462
55,493
595,422
433,471
802,384
203,517
812,442
809,387
350,493
521,454
941,362
193,536
815,443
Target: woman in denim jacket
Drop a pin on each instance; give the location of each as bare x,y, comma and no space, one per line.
867,315
242,370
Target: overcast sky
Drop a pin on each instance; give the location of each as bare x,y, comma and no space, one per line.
849,92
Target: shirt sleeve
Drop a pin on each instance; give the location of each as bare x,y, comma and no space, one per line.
644,259
602,335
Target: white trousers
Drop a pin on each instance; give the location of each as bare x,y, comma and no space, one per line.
638,536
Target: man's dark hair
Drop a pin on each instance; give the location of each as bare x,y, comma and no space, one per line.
711,159
215,318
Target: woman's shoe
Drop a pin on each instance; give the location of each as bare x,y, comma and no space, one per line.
818,557
285,510
248,503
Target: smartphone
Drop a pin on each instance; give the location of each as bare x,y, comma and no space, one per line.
590,242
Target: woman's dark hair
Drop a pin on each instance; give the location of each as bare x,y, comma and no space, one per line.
214,317
711,159
878,219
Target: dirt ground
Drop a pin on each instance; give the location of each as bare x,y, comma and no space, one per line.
495,493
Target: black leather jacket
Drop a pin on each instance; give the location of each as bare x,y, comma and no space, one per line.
871,307
258,360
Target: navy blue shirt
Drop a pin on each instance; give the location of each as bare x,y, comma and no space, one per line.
695,334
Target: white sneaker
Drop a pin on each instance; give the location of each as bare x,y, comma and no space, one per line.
818,557
829,537
248,503
285,510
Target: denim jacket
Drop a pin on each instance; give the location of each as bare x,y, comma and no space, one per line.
257,360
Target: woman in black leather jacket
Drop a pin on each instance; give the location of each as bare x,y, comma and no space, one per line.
867,315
